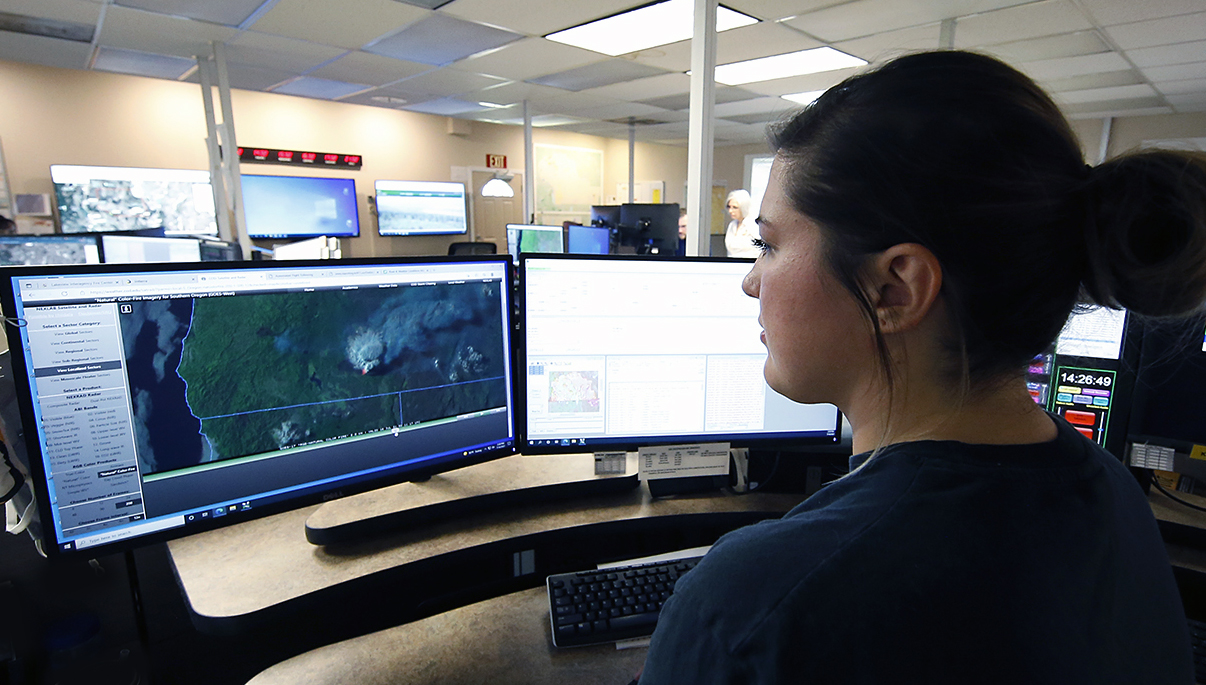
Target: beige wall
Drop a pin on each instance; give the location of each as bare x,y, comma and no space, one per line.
60,116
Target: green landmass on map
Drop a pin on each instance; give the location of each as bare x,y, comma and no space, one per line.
270,371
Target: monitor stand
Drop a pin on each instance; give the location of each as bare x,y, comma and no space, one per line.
508,482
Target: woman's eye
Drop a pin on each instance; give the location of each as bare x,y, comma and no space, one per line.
762,245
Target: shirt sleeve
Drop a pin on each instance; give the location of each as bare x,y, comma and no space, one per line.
685,650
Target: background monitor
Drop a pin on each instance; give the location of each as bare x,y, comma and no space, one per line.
530,238
587,239
299,206
212,393
130,249
649,228
220,251
420,208
605,215
96,199
621,351
1168,419
29,250
1088,374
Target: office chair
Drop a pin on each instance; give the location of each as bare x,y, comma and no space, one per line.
472,248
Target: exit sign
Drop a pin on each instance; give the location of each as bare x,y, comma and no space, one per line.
496,161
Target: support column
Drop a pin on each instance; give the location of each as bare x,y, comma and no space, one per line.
529,167
222,203
700,136
946,34
1103,149
631,161
230,156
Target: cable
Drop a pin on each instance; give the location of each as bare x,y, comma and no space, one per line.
1174,497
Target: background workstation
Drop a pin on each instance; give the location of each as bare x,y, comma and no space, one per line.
1128,75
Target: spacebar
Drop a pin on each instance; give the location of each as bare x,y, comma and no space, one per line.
633,621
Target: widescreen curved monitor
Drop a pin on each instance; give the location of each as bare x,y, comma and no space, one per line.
300,206
420,208
100,199
162,400
620,352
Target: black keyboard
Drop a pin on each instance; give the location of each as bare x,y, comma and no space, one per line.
593,607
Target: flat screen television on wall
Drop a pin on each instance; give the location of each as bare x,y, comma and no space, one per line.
101,199
300,206
420,208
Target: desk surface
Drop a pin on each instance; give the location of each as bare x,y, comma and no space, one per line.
256,565
499,641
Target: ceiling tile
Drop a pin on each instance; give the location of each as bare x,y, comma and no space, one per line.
571,102
361,67
598,74
760,105
1182,87
1019,23
142,63
536,17
274,52
646,88
51,52
80,11
326,89
1195,102
734,45
1087,81
1066,67
381,98
801,84
448,82
883,46
774,10
227,12
1111,107
1176,72
868,17
528,58
1137,91
1142,34
441,40
723,94
667,116
1049,47
444,106
518,91
328,22
620,110
1110,12
1163,55
250,78
160,34
761,118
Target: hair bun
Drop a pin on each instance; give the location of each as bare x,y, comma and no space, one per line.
1145,232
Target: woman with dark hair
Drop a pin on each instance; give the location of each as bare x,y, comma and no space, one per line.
928,227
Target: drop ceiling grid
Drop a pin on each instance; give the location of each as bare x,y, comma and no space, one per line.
535,17
328,22
529,58
158,33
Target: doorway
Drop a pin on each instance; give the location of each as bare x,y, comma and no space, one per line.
492,214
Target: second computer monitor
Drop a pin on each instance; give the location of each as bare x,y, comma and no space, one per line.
624,351
587,239
529,238
649,228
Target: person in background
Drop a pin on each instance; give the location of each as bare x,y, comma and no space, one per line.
7,226
682,232
742,231
927,229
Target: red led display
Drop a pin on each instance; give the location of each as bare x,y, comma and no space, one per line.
272,156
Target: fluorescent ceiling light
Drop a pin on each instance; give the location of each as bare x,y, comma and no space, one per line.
806,98
799,63
645,27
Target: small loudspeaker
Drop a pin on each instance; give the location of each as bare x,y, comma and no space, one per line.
33,205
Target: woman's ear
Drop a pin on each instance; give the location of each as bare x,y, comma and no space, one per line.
904,281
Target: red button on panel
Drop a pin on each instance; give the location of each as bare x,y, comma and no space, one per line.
1080,418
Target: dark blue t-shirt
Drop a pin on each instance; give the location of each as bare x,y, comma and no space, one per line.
939,562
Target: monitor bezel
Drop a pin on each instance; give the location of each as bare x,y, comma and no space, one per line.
310,495
392,234
287,236
633,443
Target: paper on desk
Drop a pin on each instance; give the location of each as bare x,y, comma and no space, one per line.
678,461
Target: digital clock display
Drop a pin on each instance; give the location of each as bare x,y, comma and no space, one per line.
263,155
1084,397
